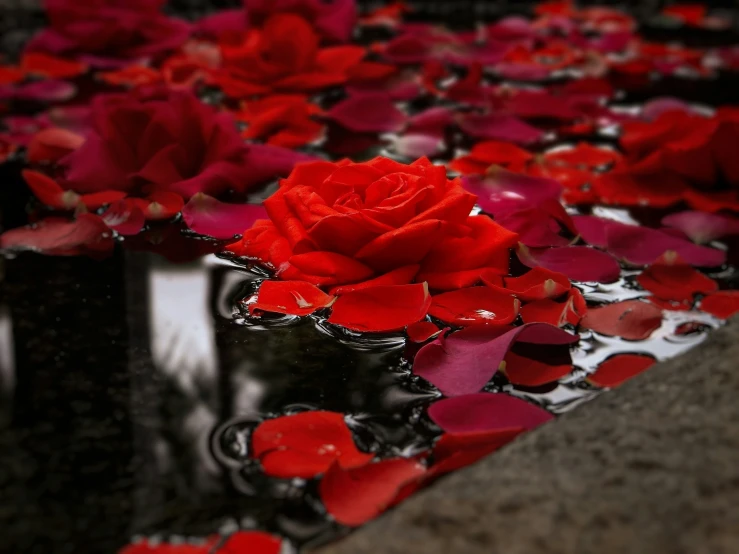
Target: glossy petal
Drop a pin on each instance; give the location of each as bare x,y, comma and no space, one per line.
456,450
383,308
474,413
670,278
630,319
466,360
722,304
355,496
619,368
54,236
474,306
251,542
207,216
703,227
290,297
124,217
579,263
421,331
306,445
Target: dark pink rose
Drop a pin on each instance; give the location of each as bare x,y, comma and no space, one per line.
158,140
104,32
333,20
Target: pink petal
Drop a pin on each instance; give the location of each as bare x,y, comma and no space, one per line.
501,127
55,236
267,162
579,263
125,217
368,113
417,146
654,108
703,227
207,216
642,245
502,191
46,91
465,361
486,412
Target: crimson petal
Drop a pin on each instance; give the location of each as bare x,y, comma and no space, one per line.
207,216
631,319
474,413
355,496
253,542
466,360
383,308
474,306
619,368
722,304
368,113
290,297
579,263
703,227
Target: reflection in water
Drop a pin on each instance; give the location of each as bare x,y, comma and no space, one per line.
7,366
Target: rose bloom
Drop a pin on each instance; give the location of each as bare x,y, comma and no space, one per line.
155,140
283,56
333,20
678,156
346,224
109,31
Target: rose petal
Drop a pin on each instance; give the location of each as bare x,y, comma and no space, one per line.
537,284
579,263
534,367
466,360
125,217
474,413
630,320
207,216
703,227
722,304
457,450
501,127
253,542
422,331
61,237
641,245
306,444
619,368
474,306
354,496
670,278
368,113
504,191
384,308
290,297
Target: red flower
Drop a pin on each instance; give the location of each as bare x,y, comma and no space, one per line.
157,140
281,120
346,223
284,56
678,156
333,20
109,30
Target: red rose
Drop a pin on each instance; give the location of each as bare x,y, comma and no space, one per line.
335,224
157,140
109,30
284,56
334,20
678,156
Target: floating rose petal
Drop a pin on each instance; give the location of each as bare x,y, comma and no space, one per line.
40,91
474,413
503,191
630,320
290,297
433,121
416,146
531,367
545,224
50,67
421,331
306,444
670,278
125,217
207,216
620,368
556,312
251,542
456,450
401,276
355,496
579,263
383,308
161,205
267,162
466,360
641,245
501,127
722,304
474,306
536,284
88,234
368,113
703,227
492,153
51,145
656,107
